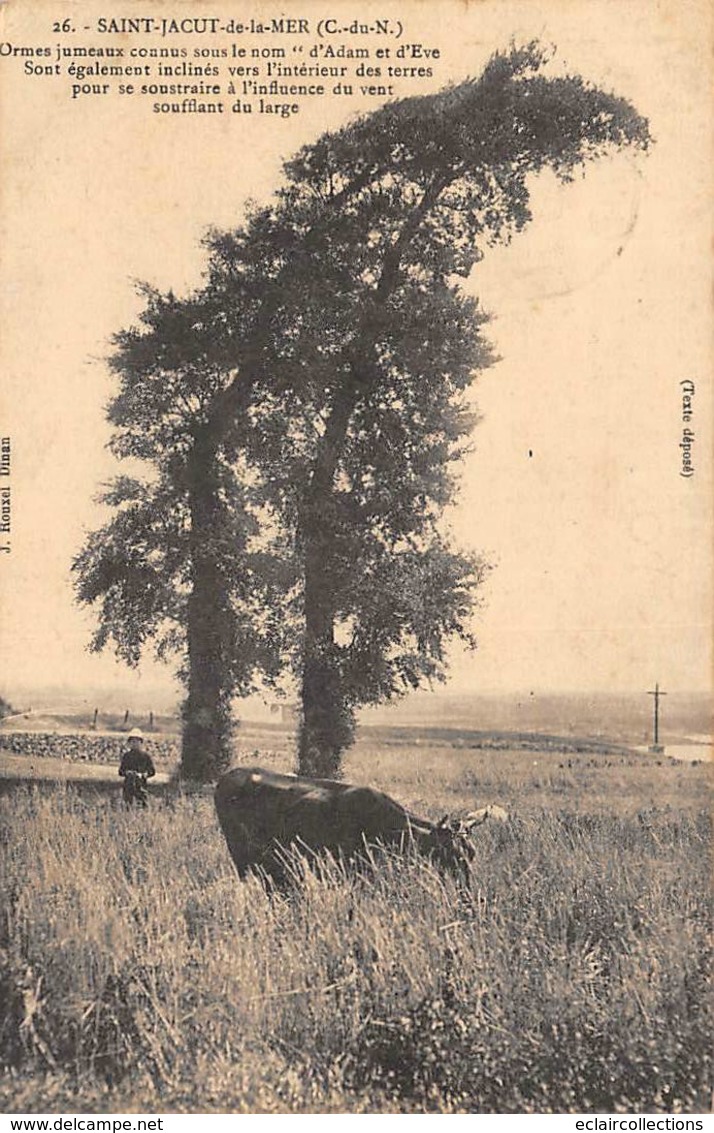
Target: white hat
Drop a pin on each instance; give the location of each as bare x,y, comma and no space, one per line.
136,734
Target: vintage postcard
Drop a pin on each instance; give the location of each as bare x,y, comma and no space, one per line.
355,435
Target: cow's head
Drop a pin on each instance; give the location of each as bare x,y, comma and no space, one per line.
451,846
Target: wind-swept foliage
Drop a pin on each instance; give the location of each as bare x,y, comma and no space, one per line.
319,387
371,346
180,563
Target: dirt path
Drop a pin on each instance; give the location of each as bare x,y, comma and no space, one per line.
45,768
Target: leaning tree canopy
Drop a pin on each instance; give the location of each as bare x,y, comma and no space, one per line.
454,164
374,216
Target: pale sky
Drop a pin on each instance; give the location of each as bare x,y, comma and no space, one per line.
602,551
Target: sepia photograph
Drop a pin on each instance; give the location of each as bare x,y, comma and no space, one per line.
356,558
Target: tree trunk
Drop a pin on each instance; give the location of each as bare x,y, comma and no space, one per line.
327,724
206,745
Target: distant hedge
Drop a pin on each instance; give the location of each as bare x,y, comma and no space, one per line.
85,747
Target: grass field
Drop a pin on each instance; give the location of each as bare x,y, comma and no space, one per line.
573,975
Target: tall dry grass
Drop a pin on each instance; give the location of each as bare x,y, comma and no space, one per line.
137,972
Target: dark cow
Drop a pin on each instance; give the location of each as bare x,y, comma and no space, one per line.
263,815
